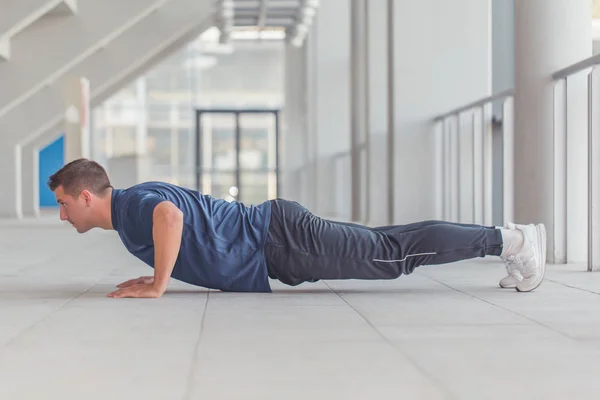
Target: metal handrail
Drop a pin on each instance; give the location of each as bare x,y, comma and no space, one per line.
561,129
475,104
450,129
344,153
561,135
577,67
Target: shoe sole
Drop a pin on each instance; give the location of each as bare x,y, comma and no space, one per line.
508,286
541,237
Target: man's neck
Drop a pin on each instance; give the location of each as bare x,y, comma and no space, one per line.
106,209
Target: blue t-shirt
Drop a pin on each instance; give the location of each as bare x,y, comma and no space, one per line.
222,245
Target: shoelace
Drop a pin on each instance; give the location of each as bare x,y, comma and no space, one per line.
514,265
527,267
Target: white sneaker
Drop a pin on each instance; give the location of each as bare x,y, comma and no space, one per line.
531,260
512,264
514,276
534,267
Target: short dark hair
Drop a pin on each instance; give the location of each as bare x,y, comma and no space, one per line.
78,175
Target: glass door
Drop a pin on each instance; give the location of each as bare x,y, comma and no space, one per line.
258,148
237,154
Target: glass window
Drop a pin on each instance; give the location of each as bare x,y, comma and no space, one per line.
159,112
186,147
159,145
123,140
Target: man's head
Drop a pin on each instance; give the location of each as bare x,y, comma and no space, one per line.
81,188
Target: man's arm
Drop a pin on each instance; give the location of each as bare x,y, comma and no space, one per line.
167,228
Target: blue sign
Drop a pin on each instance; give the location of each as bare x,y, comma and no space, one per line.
51,159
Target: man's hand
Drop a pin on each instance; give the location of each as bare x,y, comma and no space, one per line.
137,290
167,230
137,281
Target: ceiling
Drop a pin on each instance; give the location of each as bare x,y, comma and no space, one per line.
293,17
269,13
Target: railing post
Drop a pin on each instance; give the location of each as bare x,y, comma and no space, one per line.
593,171
446,175
508,150
558,253
487,164
477,166
473,162
450,150
459,140
454,181
439,170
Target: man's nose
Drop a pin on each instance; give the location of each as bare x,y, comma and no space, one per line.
63,215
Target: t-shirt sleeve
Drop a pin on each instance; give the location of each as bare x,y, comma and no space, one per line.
140,210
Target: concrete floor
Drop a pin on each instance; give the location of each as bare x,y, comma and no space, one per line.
446,332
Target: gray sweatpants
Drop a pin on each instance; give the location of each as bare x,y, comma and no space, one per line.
302,247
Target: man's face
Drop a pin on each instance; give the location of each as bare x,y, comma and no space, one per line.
77,211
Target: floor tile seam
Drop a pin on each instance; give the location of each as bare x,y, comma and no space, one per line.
46,316
427,375
573,287
543,325
53,311
194,359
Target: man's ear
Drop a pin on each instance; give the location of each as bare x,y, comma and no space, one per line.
87,197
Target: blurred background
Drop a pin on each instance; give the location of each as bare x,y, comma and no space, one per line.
159,109
378,112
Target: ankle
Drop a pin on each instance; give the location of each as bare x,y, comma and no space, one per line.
512,242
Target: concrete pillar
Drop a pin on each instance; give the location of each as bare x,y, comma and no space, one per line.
294,157
503,78
30,178
549,35
30,201
77,119
10,176
126,170
310,142
369,111
503,47
377,111
329,109
142,116
359,109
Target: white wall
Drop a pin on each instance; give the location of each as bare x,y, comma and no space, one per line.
442,60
